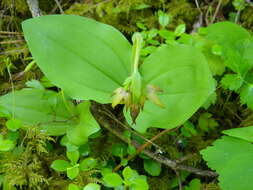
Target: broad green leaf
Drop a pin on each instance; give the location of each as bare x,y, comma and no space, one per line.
13,124
85,58
245,133
226,34
113,179
215,61
184,76
35,107
240,59
72,172
73,156
232,159
87,164
92,186
232,81
87,126
60,165
152,167
236,44
73,187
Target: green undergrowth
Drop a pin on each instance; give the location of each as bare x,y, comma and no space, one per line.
28,166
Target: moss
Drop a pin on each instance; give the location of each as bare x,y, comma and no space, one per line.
125,15
161,181
211,186
182,11
25,167
247,18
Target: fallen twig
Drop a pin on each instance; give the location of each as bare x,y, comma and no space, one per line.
97,111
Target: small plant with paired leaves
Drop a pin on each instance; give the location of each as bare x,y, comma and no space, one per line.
162,79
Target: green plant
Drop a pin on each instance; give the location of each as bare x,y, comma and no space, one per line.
114,66
162,79
132,180
231,157
50,112
73,167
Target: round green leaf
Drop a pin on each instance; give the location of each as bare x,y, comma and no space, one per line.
13,124
128,173
72,172
113,179
92,186
73,156
87,164
183,74
152,167
60,165
75,43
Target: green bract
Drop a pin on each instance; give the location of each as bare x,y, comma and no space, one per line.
89,60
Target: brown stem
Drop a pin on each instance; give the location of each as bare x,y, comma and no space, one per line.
216,11
142,147
110,125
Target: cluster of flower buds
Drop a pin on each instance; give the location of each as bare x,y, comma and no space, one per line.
134,92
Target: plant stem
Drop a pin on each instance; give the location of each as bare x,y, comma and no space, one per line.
142,147
216,11
110,125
